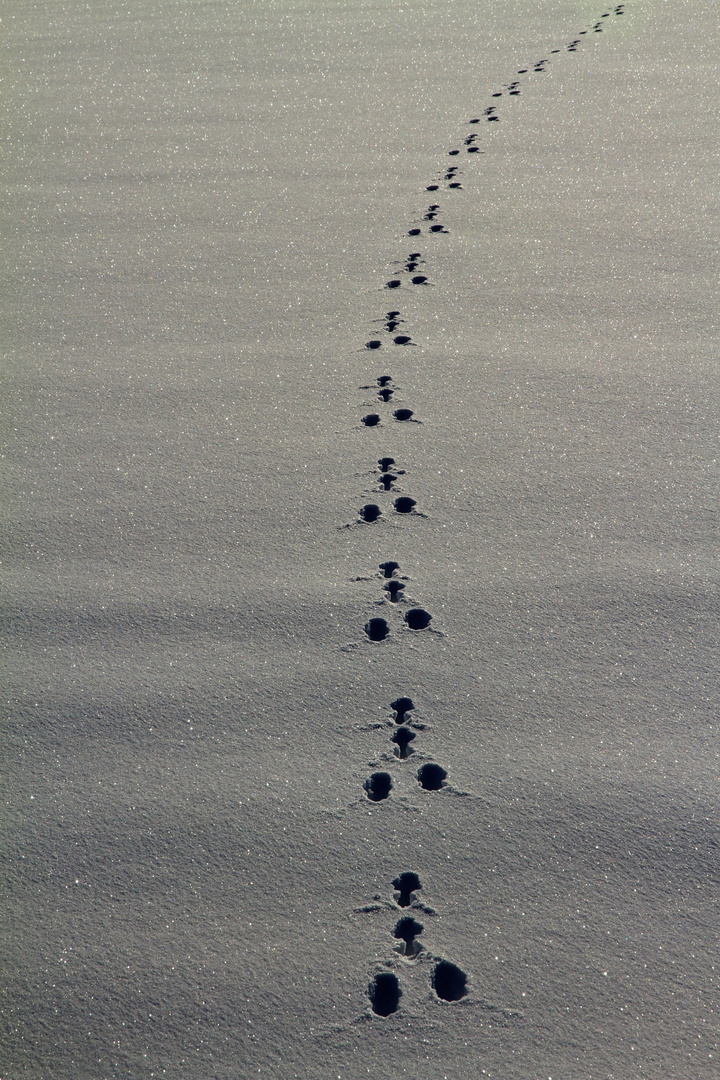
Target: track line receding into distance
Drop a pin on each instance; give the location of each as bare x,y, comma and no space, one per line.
412,271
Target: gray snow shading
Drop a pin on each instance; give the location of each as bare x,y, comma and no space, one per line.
204,203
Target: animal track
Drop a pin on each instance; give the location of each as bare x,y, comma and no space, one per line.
395,589
406,884
387,478
378,786
402,706
377,629
449,981
431,777
406,930
392,321
384,993
417,619
402,737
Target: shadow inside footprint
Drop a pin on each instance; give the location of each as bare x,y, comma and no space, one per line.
431,777
402,738
384,993
394,284
417,619
373,344
378,786
371,420
387,480
385,393
449,982
403,414
370,512
402,706
402,339
405,505
406,930
406,884
388,569
377,629
383,380
395,588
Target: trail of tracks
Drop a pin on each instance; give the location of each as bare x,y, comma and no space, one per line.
448,980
